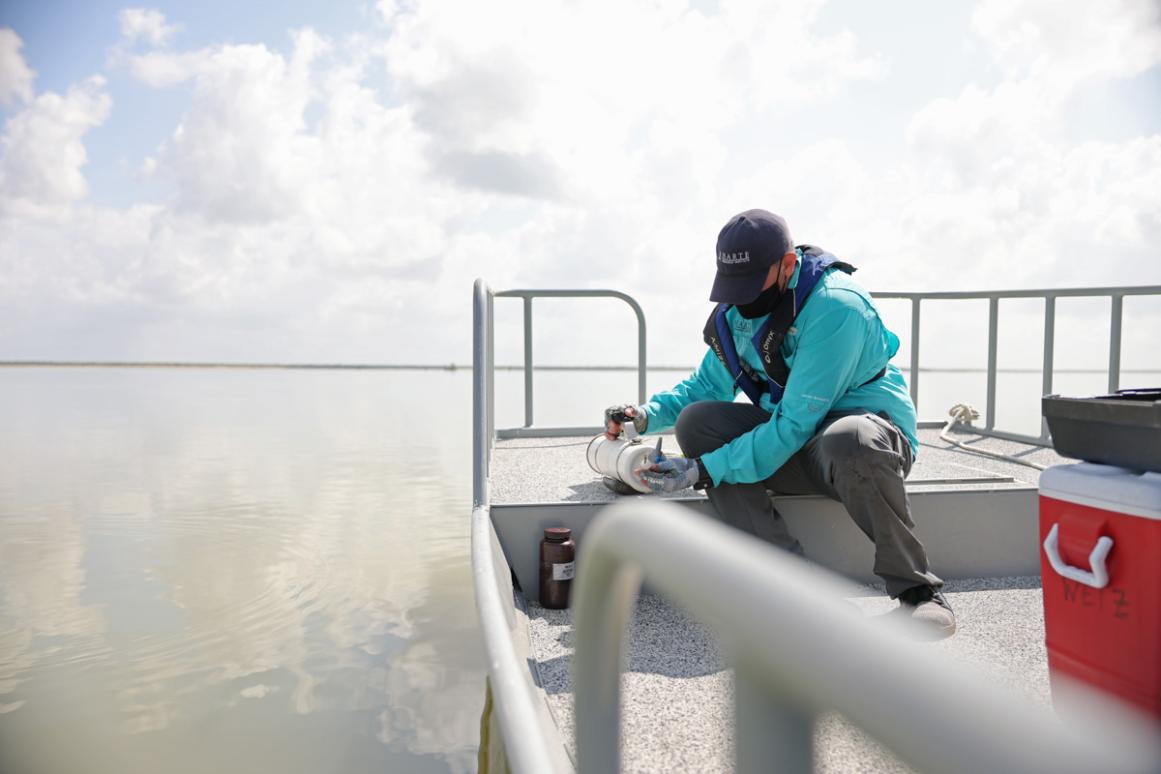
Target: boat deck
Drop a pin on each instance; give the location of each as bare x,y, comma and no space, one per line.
677,700
554,470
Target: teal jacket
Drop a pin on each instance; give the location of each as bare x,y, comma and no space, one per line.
836,344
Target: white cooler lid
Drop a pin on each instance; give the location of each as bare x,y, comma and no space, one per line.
1103,486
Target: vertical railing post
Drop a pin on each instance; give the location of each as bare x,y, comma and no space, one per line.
601,620
481,443
1115,343
915,353
769,733
1049,354
491,371
641,365
528,361
993,334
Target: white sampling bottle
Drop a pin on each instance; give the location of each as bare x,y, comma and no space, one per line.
617,459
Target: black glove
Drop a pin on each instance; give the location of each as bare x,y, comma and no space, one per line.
615,416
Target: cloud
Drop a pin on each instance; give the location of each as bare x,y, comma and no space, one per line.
237,154
531,175
15,76
158,66
330,218
145,24
1065,43
390,9
325,195
404,197
43,150
557,81
1006,191
969,139
161,69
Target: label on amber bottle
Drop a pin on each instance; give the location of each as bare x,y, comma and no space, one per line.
563,571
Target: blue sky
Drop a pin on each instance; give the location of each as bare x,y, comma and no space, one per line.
294,181
68,41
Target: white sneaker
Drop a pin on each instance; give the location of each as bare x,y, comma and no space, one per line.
928,607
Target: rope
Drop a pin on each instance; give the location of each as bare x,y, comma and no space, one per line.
962,413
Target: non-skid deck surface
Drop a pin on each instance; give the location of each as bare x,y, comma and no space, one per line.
552,470
677,701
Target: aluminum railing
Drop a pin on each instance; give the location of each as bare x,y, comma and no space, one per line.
1115,294
524,747
798,650
529,429
482,385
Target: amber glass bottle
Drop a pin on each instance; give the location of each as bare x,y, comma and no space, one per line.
557,567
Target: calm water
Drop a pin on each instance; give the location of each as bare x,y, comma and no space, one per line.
266,571
236,571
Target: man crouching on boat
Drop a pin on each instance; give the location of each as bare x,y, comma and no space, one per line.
827,413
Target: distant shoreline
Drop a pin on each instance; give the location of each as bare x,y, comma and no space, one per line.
462,367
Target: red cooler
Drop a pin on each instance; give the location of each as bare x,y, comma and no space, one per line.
1100,529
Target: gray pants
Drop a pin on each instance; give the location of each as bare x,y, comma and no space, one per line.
857,458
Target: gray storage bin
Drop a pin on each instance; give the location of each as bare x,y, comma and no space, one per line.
1122,429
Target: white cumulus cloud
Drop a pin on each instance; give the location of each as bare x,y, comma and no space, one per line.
145,24
238,154
15,75
1067,42
42,146
1007,190
161,69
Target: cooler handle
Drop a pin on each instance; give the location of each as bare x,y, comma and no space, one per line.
1098,578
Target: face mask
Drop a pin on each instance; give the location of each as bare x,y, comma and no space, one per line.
762,305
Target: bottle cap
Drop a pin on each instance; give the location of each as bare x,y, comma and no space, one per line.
557,534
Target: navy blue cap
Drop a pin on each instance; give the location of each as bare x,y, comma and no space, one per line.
748,245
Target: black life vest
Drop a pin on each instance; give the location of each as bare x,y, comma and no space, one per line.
768,340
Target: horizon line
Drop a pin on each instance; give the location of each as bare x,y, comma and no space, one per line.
464,367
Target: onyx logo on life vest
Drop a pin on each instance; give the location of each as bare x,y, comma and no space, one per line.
717,348
766,342
742,257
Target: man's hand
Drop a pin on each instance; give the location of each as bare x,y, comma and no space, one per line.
615,416
671,474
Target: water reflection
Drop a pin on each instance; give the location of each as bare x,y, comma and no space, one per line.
236,571
258,571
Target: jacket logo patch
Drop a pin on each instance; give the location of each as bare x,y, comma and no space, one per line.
815,403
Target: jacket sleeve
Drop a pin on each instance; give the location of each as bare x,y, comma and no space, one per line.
709,381
824,367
